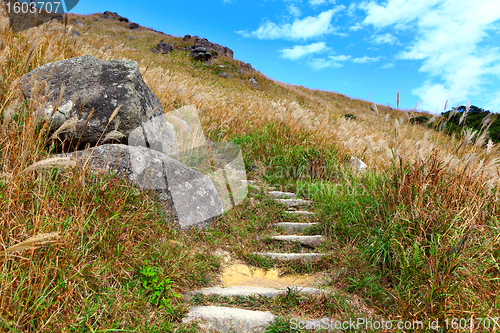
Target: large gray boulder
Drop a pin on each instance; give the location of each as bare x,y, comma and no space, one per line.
92,85
192,194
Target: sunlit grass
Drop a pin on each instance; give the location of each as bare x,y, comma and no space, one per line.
416,236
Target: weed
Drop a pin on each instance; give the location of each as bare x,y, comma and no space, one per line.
159,291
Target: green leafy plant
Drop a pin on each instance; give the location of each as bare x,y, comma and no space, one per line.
160,292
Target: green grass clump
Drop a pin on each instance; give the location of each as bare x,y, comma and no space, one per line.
424,251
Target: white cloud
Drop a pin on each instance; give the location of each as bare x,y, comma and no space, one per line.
306,28
356,27
352,9
388,65
365,60
494,104
451,40
294,10
384,39
300,51
331,62
321,2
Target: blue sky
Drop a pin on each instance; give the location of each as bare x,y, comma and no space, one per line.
430,50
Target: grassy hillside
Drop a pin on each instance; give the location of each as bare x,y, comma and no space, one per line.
416,237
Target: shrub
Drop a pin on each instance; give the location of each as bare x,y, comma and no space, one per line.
419,120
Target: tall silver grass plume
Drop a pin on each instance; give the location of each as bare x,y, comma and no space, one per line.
33,243
113,115
56,162
397,100
434,117
68,125
9,112
374,108
489,147
29,56
481,139
487,120
114,135
453,112
5,175
465,113
468,134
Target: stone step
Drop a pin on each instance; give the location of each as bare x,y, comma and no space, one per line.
305,240
250,183
291,256
282,195
301,213
294,202
250,291
224,319
294,227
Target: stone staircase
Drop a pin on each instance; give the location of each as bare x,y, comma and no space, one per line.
230,319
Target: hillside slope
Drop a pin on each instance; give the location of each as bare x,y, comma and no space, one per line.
416,237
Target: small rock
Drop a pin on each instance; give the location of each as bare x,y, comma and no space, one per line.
254,83
131,37
57,17
209,63
163,48
75,33
357,164
200,49
226,75
123,19
95,20
78,23
186,38
133,26
241,71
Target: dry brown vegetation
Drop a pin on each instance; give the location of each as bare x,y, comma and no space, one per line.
93,233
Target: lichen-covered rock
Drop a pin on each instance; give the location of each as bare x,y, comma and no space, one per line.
92,86
190,193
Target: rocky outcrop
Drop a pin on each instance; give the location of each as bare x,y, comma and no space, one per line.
213,47
91,90
133,26
248,67
200,53
97,101
186,38
114,16
163,48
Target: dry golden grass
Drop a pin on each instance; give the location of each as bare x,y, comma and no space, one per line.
88,219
